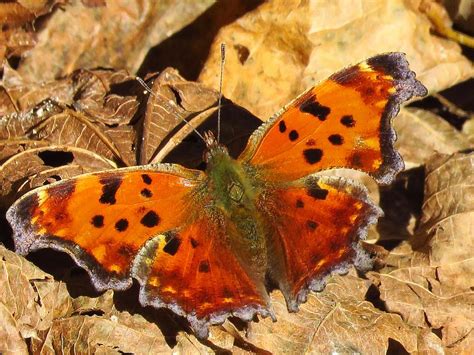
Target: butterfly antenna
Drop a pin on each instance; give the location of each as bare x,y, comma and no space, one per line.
220,92
148,89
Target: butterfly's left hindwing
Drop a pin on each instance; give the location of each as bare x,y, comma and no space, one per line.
194,272
103,219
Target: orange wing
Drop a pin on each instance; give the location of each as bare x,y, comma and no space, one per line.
345,122
148,224
103,219
317,223
192,271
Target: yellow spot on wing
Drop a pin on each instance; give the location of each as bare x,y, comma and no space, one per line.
99,253
321,262
169,289
365,67
381,103
115,267
154,281
42,196
372,143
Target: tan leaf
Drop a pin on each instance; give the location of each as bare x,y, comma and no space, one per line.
284,47
422,133
448,209
91,37
32,304
113,334
335,320
173,100
431,287
11,341
30,168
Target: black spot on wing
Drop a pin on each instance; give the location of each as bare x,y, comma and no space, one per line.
150,219
336,139
194,242
146,193
293,135
299,204
348,121
97,221
204,266
172,245
312,225
316,192
313,107
313,155
146,179
121,225
110,185
282,126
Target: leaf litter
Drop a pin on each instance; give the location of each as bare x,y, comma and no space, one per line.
63,114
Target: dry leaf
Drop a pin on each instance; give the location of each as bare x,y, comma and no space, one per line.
11,341
91,37
37,166
173,100
431,287
284,47
337,320
17,33
422,133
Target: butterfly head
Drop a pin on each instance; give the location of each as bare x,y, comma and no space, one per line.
214,150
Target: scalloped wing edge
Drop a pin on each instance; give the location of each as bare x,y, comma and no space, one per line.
200,326
26,239
361,259
407,87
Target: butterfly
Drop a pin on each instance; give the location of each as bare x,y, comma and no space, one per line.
206,244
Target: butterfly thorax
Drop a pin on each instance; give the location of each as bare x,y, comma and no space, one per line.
234,193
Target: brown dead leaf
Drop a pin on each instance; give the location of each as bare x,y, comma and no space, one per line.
448,209
34,306
431,287
30,296
284,47
335,320
117,333
11,341
17,17
93,95
37,166
173,100
91,37
422,133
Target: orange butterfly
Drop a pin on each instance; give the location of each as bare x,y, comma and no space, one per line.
204,243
